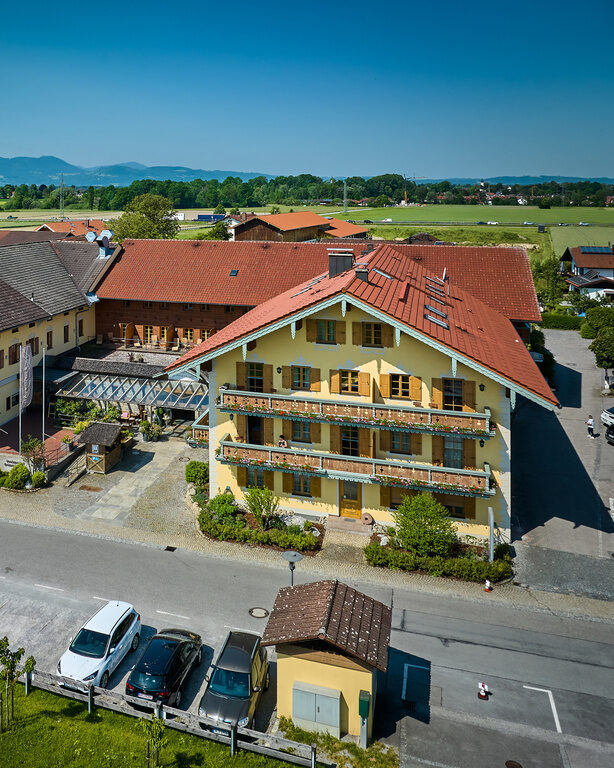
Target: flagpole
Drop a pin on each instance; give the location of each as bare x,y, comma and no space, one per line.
43,435
20,380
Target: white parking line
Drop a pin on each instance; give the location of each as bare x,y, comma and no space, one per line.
176,615
46,586
551,697
95,597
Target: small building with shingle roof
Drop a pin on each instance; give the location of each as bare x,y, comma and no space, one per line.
102,446
331,640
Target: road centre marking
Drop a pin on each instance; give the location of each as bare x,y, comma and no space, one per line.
95,597
46,586
176,615
552,705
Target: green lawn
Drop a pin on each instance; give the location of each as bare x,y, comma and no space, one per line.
508,214
566,237
51,730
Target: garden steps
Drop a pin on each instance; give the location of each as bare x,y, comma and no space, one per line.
348,525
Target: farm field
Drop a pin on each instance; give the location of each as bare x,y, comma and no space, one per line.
568,237
505,214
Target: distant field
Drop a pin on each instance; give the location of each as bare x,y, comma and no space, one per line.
506,214
568,237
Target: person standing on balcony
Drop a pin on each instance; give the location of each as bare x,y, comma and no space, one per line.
282,442
591,427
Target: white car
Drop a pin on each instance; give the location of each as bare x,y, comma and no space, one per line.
101,644
492,223
607,417
583,224
387,221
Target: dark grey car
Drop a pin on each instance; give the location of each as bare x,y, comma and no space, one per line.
237,679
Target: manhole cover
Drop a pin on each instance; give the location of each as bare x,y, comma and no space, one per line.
258,613
512,764
89,488
170,549
184,458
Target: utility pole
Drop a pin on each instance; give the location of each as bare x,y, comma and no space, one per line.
62,195
345,196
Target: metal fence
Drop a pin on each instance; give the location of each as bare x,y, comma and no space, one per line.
236,738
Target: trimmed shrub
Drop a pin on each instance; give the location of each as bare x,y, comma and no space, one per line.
459,568
424,526
600,317
39,480
263,504
197,472
17,477
603,348
224,531
561,322
503,551
3,476
587,331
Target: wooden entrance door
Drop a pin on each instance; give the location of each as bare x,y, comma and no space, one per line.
350,494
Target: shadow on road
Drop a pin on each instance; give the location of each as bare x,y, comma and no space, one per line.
403,691
569,386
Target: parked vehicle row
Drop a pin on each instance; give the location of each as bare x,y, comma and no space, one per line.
234,686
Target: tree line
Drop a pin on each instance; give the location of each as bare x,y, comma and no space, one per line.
381,190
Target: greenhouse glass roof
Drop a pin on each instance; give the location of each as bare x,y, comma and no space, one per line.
160,393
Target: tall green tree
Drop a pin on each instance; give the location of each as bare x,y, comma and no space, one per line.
424,526
150,217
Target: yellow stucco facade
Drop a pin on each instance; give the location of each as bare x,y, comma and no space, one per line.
426,453
56,335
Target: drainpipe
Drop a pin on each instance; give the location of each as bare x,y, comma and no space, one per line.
79,312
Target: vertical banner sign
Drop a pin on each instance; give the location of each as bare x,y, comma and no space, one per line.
25,382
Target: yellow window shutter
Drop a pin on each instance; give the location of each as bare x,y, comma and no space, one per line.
242,476
387,335
469,454
357,334
415,443
267,430
415,388
241,375
286,377
438,450
364,442
335,439
340,331
335,382
364,384
314,379
287,482
469,505
241,420
312,330
384,440
384,496
316,487
437,393
286,429
267,378
469,396
269,480
316,432
384,384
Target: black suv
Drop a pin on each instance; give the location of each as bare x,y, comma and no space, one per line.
238,677
609,434
165,665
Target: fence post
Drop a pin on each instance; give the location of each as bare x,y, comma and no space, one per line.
90,699
233,740
159,711
148,760
1,715
313,756
28,681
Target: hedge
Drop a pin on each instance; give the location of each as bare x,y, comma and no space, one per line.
457,567
225,531
561,322
17,477
197,472
587,331
600,317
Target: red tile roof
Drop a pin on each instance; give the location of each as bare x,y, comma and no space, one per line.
74,227
339,228
296,220
592,260
474,329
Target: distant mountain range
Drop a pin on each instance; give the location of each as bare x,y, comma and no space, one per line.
48,169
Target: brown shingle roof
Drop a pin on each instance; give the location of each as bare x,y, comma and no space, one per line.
331,611
100,433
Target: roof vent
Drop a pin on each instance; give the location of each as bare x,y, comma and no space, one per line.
339,260
362,272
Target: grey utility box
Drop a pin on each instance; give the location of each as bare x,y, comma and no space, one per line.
316,708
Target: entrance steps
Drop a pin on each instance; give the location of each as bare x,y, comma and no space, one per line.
348,525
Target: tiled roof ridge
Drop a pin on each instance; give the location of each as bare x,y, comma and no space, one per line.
329,607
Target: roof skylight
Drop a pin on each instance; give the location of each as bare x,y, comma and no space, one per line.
436,311
437,321
379,272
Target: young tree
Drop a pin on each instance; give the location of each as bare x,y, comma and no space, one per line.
32,451
219,231
423,525
10,674
154,730
150,217
263,504
603,348
219,208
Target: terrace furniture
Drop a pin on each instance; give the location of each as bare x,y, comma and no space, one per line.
136,341
175,347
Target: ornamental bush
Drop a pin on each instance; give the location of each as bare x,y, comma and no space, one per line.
263,504
600,317
225,531
39,480
603,348
197,472
561,322
17,477
423,525
587,331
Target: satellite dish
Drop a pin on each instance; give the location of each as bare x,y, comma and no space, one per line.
106,233
90,237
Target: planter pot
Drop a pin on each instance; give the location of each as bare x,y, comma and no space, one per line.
144,437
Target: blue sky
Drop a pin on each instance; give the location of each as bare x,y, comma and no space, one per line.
439,89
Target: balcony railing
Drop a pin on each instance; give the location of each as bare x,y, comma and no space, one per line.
407,474
399,418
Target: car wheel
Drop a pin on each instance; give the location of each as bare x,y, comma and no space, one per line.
199,656
135,642
178,698
104,680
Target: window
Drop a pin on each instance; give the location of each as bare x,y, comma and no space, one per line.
148,304
163,331
326,332
122,330
189,333
255,377
400,442
349,381
300,377
453,452
349,441
33,344
301,431
396,497
453,394
399,385
234,272
372,334
204,307
204,334
1,358
80,327
31,325
147,333
66,334
164,305
301,485
188,306
49,339
15,330
13,354
15,399
255,477
455,510
125,303
229,308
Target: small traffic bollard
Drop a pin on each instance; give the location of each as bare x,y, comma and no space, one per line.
313,756
483,691
90,699
233,740
28,680
487,586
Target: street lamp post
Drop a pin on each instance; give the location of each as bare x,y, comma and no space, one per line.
293,558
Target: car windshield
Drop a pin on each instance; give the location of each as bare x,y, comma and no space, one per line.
146,681
227,683
89,643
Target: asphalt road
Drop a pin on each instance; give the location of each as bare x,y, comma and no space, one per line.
50,582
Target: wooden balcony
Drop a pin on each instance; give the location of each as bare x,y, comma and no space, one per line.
401,418
407,474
